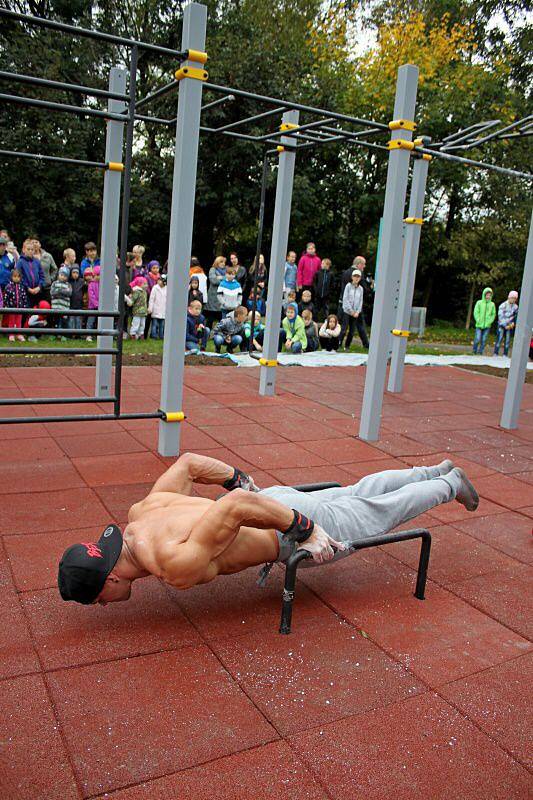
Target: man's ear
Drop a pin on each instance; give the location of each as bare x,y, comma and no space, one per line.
112,578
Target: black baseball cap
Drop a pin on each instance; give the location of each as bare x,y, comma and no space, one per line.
85,566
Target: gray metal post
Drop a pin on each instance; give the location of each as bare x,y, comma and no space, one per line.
181,227
110,221
408,273
390,257
522,338
278,251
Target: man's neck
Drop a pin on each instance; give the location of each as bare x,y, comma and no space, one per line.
127,566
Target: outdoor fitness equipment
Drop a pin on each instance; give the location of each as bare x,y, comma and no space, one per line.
291,136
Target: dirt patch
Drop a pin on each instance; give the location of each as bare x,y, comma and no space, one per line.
128,360
498,372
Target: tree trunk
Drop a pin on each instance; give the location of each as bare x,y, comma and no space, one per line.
470,305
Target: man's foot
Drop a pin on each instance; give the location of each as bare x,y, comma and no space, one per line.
445,466
466,494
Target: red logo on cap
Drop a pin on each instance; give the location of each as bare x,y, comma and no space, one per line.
93,550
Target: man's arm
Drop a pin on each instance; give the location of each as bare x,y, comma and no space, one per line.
191,468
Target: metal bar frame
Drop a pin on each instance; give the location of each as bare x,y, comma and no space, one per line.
258,245
59,159
51,331
69,351
470,162
90,91
80,418
168,87
369,541
39,401
494,135
67,312
80,111
272,112
90,34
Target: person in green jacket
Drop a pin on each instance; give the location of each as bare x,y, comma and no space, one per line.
293,330
484,316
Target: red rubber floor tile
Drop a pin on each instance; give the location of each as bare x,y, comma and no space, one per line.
298,432
149,716
510,533
494,700
33,762
119,499
23,430
504,594
345,450
526,477
17,655
265,773
441,638
75,508
39,476
234,605
31,450
278,455
453,511
120,469
245,433
97,428
506,461
360,581
505,490
417,748
472,469
191,438
34,558
455,556
103,444
321,672
398,445
528,511
68,634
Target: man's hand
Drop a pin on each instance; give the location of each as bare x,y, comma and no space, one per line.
240,480
320,545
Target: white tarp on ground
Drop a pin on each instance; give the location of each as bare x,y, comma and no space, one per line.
324,359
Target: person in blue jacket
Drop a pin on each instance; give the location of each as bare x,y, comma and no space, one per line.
6,264
32,273
197,332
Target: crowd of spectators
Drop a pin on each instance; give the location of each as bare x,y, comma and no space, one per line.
320,309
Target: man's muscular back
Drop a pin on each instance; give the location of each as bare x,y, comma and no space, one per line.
160,525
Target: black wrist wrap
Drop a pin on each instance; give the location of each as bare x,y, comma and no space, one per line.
236,481
300,529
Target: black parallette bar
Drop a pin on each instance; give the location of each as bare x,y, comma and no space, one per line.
56,331
80,418
61,351
68,312
47,104
90,34
49,401
59,159
70,87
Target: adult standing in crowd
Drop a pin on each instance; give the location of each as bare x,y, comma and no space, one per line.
196,269
352,306
262,275
138,267
6,264
308,266
11,250
48,266
240,270
217,273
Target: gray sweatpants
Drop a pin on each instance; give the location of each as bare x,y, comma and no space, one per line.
377,504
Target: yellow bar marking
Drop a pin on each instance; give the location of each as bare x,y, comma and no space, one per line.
400,144
174,416
402,124
397,332
197,55
287,126
115,166
191,72
414,220
427,157
266,363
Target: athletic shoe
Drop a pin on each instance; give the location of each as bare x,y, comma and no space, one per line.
466,494
11,338
21,338
89,338
32,338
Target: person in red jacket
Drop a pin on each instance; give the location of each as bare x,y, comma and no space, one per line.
308,266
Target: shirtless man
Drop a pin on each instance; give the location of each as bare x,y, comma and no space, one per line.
185,540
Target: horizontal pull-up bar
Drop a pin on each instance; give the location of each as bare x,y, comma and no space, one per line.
79,110
82,418
90,34
70,87
470,162
158,93
59,159
36,330
67,312
246,137
295,106
62,351
493,135
50,401
253,118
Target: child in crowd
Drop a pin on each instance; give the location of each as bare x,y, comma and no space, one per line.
197,332
69,259
40,320
196,270
291,298
311,331
484,316
32,273
352,307
15,296
138,268
258,331
306,303
289,279
195,293
139,307
229,291
154,271
60,293
260,304
293,330
323,283
91,258
330,333
507,314
230,330
93,297
79,289
157,307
